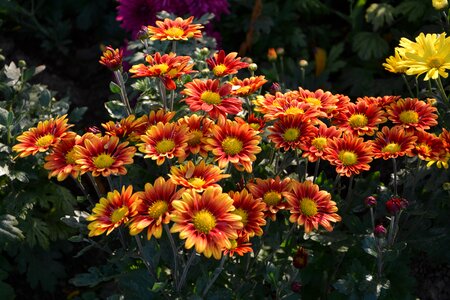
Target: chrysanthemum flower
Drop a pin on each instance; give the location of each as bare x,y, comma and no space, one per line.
206,221
394,64
290,132
311,207
125,127
254,122
441,159
167,67
361,118
379,101
153,118
393,142
197,177
289,106
239,246
314,147
324,101
235,143
341,105
114,210
349,154
429,55
198,130
272,192
178,29
427,146
163,141
112,58
154,208
412,113
211,97
246,86
43,137
251,211
103,155
223,65
61,163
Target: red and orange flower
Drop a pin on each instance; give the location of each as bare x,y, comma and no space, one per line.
198,130
324,101
197,177
163,141
427,146
125,127
103,155
112,58
154,208
223,65
251,211
114,210
206,221
314,147
239,246
272,192
175,30
311,207
412,113
211,97
350,154
381,102
291,132
361,118
247,86
61,163
153,118
393,142
43,137
234,142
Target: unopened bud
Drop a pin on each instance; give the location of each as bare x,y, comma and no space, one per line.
22,63
204,51
380,231
303,63
205,71
271,54
253,67
395,204
274,88
446,186
370,201
247,59
300,259
143,33
280,51
296,287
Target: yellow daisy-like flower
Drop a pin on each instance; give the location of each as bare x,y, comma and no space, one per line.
393,63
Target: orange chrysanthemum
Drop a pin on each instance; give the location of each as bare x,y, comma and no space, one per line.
125,127
197,177
167,67
445,137
198,130
272,192
381,102
211,97
239,246
393,142
350,154
234,142
324,101
247,86
412,113
114,210
61,162
310,206
251,211
43,137
154,208
427,145
361,118
314,147
222,65
290,132
112,58
178,29
103,155
163,141
206,221
147,121
254,122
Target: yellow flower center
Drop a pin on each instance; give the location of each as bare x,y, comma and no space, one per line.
158,208
294,111
175,32
45,140
435,62
204,221
210,97
291,134
243,214
119,214
391,148
313,101
196,182
103,161
308,207
358,120
409,116
70,159
195,137
161,67
348,158
255,126
232,146
219,69
165,146
319,143
233,244
272,198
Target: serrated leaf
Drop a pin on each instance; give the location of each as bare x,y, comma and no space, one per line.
369,45
37,233
8,229
116,109
414,10
380,14
114,88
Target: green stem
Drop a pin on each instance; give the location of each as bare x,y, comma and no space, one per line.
172,99
83,189
162,91
94,183
408,86
185,271
174,252
316,170
217,272
372,218
274,65
123,91
348,197
394,163
147,263
441,90
110,183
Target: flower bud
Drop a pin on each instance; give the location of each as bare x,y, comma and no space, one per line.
395,204
143,33
204,51
271,54
247,59
300,259
370,201
112,58
253,67
439,4
22,63
380,231
280,51
296,287
303,63
274,88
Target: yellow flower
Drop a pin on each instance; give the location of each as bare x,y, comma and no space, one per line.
393,63
439,4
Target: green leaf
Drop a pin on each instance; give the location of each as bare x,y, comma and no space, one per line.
369,246
76,115
45,270
369,45
8,229
380,14
12,72
114,88
3,116
45,97
37,232
116,109
414,9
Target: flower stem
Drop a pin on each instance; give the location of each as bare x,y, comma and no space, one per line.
217,272
147,264
175,255
94,183
394,162
83,189
110,183
162,90
407,85
185,271
372,218
441,90
123,91
316,170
